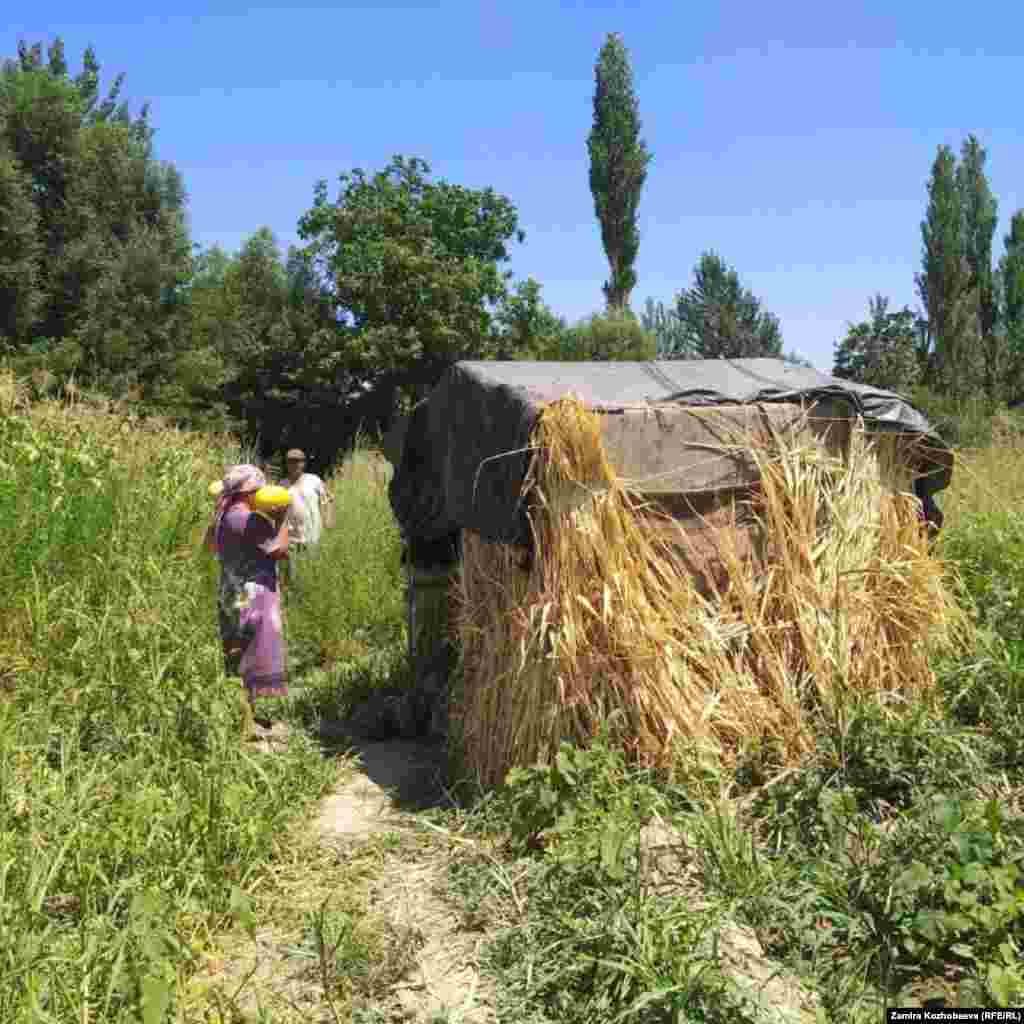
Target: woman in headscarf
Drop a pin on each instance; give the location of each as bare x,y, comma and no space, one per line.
249,605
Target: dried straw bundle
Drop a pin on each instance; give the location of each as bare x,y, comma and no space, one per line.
839,601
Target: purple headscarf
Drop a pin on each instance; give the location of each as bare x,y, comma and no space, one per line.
238,481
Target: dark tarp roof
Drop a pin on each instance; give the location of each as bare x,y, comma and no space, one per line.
463,460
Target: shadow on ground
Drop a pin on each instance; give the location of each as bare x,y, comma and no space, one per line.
412,772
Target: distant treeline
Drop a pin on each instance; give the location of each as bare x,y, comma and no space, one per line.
397,276
968,340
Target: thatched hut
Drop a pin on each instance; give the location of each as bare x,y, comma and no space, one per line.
529,491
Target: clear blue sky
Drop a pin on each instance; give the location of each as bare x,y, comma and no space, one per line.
796,139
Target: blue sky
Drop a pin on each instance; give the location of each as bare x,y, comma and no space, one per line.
796,139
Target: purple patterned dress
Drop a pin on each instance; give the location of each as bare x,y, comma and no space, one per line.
249,603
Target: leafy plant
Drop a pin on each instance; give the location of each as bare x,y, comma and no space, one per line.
583,807
934,890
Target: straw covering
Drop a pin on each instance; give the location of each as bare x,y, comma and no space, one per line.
827,595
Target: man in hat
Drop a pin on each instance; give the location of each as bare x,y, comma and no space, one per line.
312,506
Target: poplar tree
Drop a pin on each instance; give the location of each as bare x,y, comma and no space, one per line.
943,284
1011,280
667,329
980,213
618,168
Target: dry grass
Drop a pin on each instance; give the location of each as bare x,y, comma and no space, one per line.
986,480
838,601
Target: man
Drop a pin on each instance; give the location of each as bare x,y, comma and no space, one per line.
312,506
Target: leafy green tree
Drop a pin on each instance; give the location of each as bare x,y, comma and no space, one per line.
264,338
525,327
612,336
414,268
21,295
881,351
669,332
618,167
124,262
722,319
1011,287
109,220
944,283
200,371
980,214
40,117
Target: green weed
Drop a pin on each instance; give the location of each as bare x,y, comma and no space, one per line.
132,818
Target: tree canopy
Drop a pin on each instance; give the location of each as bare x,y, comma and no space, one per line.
400,274
414,269
979,210
722,319
94,247
670,335
524,326
618,168
943,284
1010,279
602,337
883,350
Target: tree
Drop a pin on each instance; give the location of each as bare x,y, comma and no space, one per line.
264,338
980,214
721,319
202,370
111,244
618,168
669,333
414,270
944,283
21,296
612,336
1011,287
525,328
118,299
882,350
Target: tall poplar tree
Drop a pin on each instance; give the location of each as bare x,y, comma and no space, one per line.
980,213
1011,280
618,167
21,251
943,284
666,327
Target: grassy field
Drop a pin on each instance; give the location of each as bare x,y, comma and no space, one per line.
133,821
136,829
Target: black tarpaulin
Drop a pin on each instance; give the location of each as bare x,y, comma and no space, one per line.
465,454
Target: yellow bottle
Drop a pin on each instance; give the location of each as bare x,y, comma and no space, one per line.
270,501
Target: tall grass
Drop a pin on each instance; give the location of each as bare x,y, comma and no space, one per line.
347,601
132,819
134,824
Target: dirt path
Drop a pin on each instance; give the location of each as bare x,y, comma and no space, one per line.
396,778
365,853
400,952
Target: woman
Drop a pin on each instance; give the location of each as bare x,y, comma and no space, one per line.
249,604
